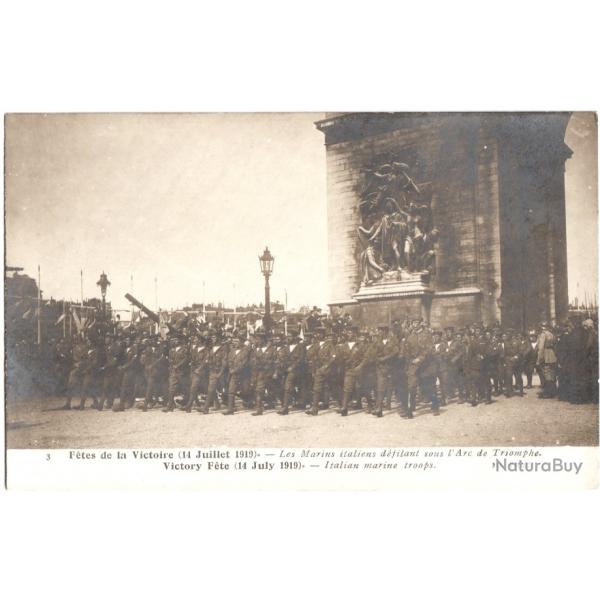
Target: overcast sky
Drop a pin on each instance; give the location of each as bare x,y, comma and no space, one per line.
185,198
195,198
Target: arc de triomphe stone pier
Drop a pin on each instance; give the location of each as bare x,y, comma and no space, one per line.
455,218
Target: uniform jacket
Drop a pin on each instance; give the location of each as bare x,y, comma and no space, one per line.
545,345
296,358
418,347
386,353
199,356
312,356
327,357
218,359
238,359
178,359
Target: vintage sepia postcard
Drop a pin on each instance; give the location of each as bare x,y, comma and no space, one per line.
301,300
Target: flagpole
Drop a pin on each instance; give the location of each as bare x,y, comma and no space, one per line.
81,282
156,292
131,303
234,308
64,320
39,323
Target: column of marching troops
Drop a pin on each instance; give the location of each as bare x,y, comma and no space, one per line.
407,364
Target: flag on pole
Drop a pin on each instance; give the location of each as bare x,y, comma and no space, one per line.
60,319
78,323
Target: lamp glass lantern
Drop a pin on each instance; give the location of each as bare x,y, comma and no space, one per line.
266,262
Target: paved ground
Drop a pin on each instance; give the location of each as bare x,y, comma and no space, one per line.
527,421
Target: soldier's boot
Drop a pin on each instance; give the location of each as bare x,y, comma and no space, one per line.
259,406
146,404
345,402
378,412
101,403
285,404
520,384
411,404
230,404
189,405
314,410
81,403
170,404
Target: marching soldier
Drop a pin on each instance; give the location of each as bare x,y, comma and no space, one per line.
199,367
324,364
312,341
90,376
217,368
129,373
156,371
420,369
238,365
281,366
387,353
352,360
110,371
63,360
74,384
295,367
265,358
178,371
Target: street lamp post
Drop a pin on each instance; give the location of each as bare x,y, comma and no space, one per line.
103,282
266,266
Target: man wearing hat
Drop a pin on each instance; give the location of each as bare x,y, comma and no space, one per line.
109,372
281,366
546,360
156,372
456,365
217,367
91,372
312,346
440,360
354,361
265,357
293,377
386,351
199,355
325,362
420,369
129,373
530,357
237,361
511,363
178,371
80,348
